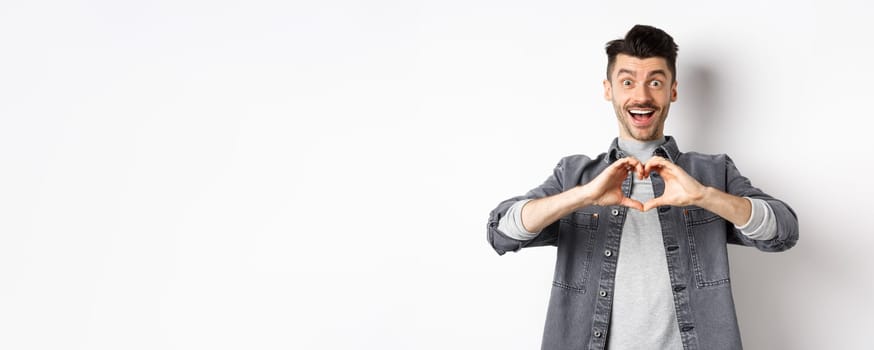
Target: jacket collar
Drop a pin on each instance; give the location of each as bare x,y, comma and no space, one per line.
667,150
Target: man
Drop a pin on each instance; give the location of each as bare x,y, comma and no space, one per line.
641,230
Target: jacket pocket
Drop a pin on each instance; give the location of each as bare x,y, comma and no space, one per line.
707,234
576,242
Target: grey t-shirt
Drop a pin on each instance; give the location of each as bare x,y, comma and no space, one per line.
643,303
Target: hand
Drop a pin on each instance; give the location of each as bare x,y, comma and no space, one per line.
680,188
606,188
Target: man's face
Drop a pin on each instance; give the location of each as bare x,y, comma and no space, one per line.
641,91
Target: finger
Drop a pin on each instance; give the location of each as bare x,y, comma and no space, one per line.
650,167
656,164
653,203
617,165
631,203
624,166
657,158
661,162
627,162
636,166
641,174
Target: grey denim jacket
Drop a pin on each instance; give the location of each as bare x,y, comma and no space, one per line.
694,241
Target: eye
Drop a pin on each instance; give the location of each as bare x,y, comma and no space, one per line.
655,83
626,82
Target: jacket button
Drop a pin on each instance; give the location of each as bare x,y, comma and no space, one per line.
608,253
615,212
602,293
597,334
664,208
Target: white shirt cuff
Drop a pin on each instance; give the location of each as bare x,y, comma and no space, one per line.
762,224
511,223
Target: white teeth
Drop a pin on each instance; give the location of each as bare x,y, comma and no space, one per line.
638,111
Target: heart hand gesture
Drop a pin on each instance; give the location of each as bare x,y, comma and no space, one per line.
606,188
680,188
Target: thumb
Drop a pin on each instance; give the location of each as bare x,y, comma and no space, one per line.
631,203
653,203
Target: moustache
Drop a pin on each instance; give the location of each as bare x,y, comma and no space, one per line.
643,105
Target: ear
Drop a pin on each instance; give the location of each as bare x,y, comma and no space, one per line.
608,92
674,91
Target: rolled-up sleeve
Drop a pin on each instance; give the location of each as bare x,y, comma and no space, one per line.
503,242
762,225
784,218
511,224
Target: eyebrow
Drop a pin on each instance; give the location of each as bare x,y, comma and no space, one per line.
658,71
623,70
631,72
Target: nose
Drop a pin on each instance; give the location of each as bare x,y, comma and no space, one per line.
641,93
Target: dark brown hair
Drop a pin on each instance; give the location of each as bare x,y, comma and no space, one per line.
644,41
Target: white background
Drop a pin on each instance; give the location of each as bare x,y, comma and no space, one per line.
317,175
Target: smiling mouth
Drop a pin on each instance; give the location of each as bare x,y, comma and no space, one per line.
641,115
